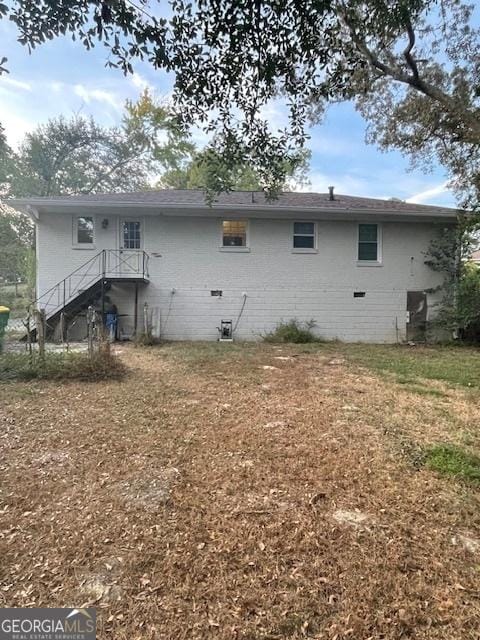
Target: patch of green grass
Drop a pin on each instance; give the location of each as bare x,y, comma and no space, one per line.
60,366
451,460
454,365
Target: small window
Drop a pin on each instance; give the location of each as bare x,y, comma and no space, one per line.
368,242
84,230
234,233
304,235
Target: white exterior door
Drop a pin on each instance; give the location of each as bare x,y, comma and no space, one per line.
131,245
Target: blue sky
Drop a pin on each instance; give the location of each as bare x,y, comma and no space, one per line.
61,77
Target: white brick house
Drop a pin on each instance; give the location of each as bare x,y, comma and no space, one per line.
353,265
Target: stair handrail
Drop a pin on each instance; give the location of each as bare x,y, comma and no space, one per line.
101,259
58,286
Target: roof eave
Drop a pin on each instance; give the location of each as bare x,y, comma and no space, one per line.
27,205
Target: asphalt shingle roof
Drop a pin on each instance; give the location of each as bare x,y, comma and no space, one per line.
287,200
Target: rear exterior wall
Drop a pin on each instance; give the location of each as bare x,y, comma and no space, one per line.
261,286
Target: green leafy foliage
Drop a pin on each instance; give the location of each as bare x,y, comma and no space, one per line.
16,246
293,331
459,308
74,156
155,127
468,302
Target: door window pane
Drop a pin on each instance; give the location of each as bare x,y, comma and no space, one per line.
131,235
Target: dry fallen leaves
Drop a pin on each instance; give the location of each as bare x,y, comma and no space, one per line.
165,501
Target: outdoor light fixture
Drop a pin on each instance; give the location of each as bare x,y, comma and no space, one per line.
104,223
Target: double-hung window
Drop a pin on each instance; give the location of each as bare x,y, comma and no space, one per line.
369,243
83,231
304,235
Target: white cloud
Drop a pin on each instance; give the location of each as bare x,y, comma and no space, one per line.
98,95
427,195
139,82
5,81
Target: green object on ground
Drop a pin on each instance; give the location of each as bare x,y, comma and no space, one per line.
4,315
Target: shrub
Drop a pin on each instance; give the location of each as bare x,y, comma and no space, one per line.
61,366
7,298
293,331
145,339
453,461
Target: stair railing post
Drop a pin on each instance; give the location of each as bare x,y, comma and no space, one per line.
64,293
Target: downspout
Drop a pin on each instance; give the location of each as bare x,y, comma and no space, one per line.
456,276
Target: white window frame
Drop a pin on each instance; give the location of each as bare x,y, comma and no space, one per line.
313,249
227,249
83,245
371,263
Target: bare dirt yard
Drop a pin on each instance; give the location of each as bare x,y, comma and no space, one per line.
249,491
